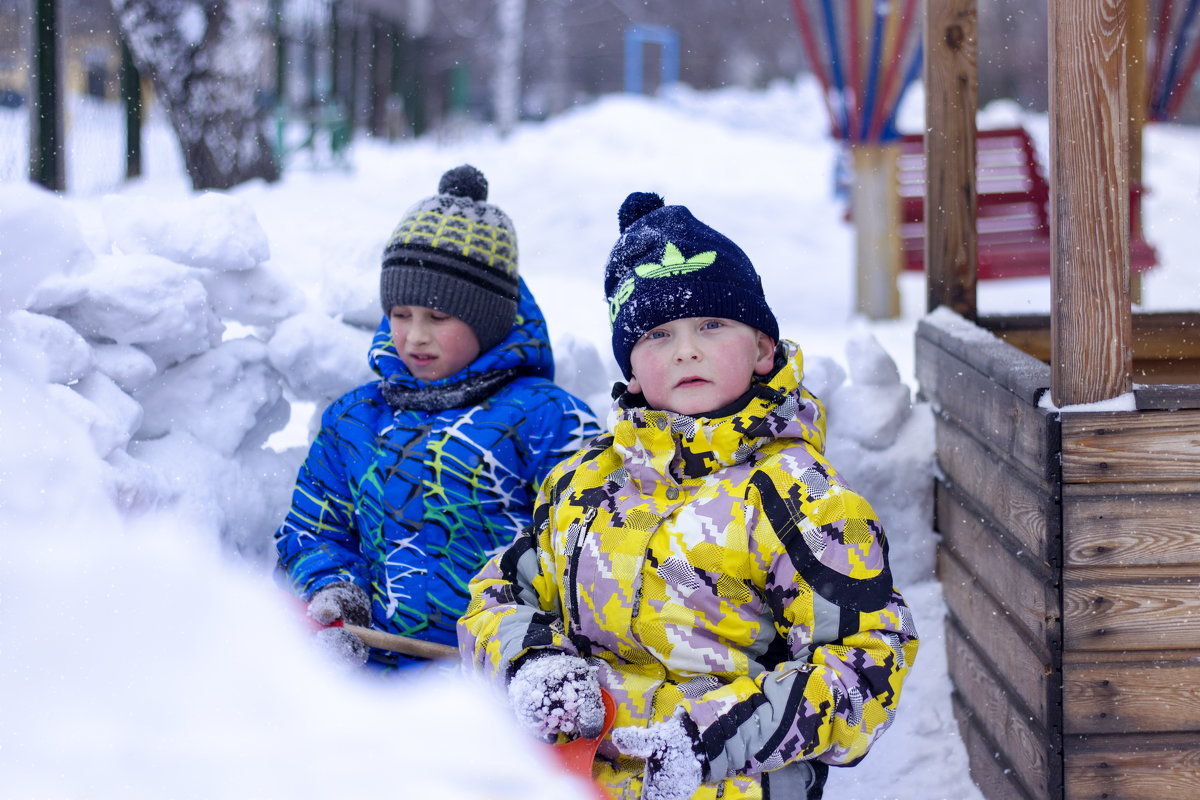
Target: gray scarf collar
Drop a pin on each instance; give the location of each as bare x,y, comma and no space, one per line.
467,392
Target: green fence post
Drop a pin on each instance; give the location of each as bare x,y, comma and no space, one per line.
46,164
131,95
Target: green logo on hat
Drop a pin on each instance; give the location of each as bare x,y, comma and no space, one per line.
673,263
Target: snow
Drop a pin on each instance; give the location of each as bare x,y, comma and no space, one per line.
163,355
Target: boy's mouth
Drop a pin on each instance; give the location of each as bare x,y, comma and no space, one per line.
422,358
690,382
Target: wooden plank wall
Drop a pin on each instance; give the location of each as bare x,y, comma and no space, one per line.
1131,604
998,511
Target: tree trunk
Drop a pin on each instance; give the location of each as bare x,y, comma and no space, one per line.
507,97
203,58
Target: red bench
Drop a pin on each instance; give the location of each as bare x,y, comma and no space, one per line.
1012,221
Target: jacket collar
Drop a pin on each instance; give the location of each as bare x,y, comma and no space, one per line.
525,351
664,443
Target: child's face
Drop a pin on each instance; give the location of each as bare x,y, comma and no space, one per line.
698,364
432,344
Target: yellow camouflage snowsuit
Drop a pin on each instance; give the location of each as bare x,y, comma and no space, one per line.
720,565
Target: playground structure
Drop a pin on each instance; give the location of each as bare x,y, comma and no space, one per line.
865,54
1070,554
636,38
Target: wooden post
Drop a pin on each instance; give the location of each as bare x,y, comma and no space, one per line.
46,161
877,230
1135,65
1090,322
951,202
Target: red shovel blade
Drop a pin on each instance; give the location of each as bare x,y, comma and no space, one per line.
577,755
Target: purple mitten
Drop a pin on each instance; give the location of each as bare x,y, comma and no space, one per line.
557,694
674,761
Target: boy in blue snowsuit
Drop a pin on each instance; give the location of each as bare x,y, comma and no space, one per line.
416,479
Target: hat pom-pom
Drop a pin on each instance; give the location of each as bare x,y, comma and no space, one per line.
636,206
464,181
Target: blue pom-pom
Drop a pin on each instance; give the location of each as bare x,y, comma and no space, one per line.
464,181
636,206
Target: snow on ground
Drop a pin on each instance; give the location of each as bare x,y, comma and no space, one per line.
163,355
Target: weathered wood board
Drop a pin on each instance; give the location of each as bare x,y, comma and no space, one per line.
1124,696
1012,500
1004,568
1125,767
1028,669
1130,446
1018,737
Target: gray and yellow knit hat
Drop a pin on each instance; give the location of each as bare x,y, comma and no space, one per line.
458,254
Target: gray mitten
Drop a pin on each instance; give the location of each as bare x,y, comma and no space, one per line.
341,601
675,762
350,604
343,646
555,694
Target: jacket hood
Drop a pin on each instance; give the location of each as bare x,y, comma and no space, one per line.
526,349
686,447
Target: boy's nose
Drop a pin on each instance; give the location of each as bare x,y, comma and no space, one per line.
418,332
686,350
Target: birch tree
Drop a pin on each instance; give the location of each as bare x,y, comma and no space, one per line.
203,56
507,88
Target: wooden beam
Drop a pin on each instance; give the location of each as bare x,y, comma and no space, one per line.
1089,202
951,205
877,230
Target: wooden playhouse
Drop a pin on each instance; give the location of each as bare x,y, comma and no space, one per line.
1070,553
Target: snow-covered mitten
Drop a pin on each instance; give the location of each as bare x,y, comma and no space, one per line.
350,604
557,693
675,762
343,646
344,601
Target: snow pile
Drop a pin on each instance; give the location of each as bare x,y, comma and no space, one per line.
182,352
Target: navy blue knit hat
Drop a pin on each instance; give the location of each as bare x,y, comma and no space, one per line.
668,265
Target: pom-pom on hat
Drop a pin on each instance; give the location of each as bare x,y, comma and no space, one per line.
667,265
456,253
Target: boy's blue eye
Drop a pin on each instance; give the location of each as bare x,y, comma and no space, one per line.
655,334
711,324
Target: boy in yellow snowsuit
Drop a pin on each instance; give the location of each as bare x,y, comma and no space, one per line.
702,562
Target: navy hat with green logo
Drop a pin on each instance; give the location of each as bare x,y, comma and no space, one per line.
668,265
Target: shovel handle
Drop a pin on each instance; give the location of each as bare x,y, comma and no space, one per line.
403,644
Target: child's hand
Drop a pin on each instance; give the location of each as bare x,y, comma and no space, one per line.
675,764
341,601
557,694
348,603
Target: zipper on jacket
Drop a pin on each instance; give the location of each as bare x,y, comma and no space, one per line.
573,566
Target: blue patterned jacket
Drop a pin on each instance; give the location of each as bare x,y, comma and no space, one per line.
410,504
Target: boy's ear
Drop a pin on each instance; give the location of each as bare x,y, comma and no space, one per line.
766,354
633,387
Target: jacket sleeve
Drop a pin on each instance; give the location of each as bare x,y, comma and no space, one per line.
318,542
845,638
564,426
515,602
